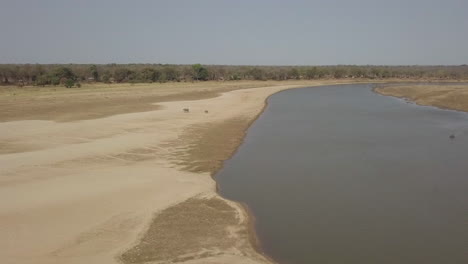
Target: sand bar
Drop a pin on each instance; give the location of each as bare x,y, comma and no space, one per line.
452,96
82,185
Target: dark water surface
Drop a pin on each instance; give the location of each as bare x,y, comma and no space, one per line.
339,174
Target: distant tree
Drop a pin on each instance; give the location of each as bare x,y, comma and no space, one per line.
3,74
69,83
455,75
64,72
356,72
10,74
162,78
256,73
94,72
339,72
322,72
187,73
106,78
121,74
149,75
376,72
42,80
37,71
171,73
294,74
311,73
23,74
132,76
441,74
54,80
234,77
386,74
280,74
200,73
218,74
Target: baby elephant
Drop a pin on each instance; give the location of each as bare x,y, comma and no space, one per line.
186,110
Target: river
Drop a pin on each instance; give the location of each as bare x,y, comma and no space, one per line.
339,174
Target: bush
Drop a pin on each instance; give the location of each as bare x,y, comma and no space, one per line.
234,77
69,83
122,74
162,78
54,80
42,80
106,78
199,72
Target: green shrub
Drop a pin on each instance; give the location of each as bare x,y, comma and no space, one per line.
69,83
54,80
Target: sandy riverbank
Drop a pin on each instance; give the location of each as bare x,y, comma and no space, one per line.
453,97
102,175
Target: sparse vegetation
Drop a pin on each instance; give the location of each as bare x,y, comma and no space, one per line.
41,75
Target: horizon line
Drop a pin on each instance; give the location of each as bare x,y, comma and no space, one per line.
249,65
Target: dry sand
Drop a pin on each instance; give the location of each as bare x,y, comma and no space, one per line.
103,175
453,97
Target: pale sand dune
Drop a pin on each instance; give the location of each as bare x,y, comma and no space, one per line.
84,191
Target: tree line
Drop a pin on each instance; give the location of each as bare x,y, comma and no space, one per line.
74,74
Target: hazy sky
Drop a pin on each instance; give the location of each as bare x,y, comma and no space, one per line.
257,32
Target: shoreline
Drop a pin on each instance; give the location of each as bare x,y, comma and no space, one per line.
254,237
84,203
88,167
374,89
255,241
446,97
251,219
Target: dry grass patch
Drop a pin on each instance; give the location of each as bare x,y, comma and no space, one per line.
196,228
444,96
204,148
101,100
